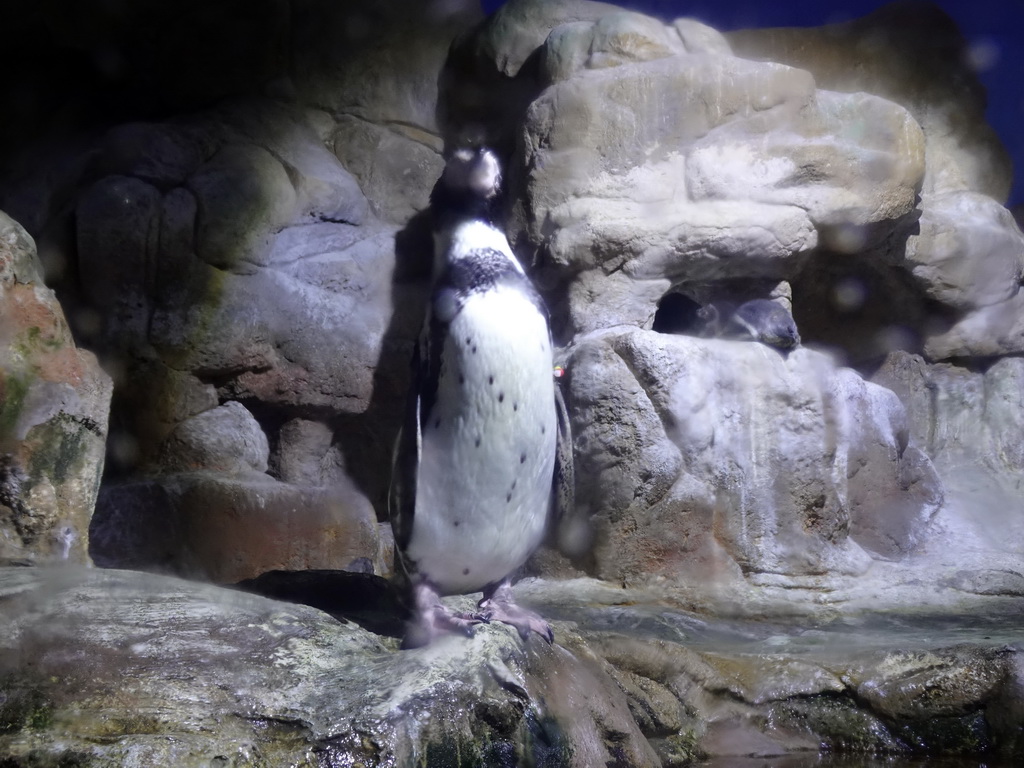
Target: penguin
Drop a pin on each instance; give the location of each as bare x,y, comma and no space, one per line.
760,320
485,449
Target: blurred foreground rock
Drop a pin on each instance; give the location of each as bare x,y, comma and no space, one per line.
112,667
54,403
191,674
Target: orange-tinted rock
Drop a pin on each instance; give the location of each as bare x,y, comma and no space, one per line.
54,404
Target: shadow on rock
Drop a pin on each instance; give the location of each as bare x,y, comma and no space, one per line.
363,598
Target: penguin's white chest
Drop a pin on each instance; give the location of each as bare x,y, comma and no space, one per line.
488,445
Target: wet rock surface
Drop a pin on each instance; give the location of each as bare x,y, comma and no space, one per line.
181,673
190,674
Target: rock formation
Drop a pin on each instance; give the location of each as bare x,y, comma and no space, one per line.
54,404
967,254
185,674
734,456
241,242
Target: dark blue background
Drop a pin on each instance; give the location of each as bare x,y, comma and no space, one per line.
998,25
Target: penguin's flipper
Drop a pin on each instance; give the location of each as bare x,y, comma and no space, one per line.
569,528
405,464
425,373
564,480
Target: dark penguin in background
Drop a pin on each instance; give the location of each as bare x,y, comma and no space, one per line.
485,440
760,320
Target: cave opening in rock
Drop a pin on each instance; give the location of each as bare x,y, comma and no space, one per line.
676,313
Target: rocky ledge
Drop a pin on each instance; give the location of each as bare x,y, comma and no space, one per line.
123,668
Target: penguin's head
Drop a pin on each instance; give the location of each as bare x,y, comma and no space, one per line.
473,171
769,322
469,188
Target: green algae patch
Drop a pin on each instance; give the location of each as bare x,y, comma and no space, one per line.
839,724
679,749
23,707
13,391
60,445
34,340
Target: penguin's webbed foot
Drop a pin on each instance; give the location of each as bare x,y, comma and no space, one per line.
425,628
432,618
499,605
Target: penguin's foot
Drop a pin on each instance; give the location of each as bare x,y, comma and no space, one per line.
498,604
432,618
